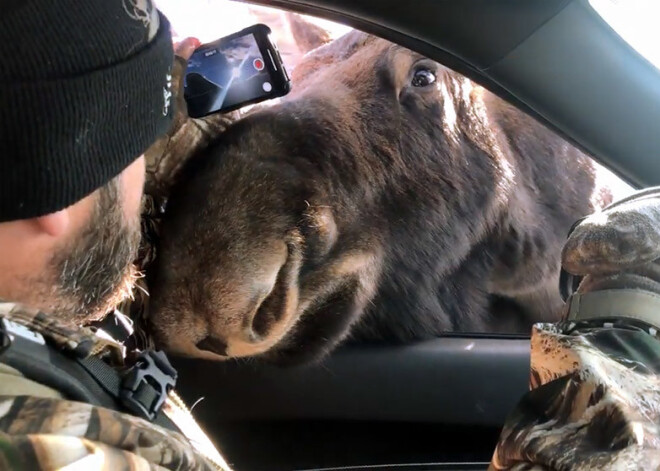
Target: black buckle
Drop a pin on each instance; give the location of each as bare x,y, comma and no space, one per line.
145,386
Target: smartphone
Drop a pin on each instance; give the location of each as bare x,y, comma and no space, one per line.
231,72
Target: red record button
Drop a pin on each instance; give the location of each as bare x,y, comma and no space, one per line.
258,64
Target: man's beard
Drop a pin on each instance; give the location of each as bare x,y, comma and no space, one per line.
95,271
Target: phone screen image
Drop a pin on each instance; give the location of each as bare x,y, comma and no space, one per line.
224,74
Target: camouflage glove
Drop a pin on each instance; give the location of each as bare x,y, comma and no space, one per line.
617,254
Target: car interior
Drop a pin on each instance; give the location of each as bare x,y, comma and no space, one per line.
439,404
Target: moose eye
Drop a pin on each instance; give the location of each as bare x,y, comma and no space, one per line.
423,78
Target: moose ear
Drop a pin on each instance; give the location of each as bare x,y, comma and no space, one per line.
307,35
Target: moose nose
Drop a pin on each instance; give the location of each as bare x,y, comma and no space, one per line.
257,318
264,312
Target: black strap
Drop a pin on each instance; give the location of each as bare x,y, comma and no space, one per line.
115,325
47,366
140,390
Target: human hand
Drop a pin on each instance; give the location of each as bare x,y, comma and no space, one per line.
182,52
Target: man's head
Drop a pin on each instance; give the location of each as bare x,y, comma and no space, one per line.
76,263
85,88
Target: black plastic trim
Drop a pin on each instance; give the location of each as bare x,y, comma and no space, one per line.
473,381
594,87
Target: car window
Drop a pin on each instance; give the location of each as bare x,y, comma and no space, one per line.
492,264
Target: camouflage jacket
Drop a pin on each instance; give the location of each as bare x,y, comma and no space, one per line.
41,430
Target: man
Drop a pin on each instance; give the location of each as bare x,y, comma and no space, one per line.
85,89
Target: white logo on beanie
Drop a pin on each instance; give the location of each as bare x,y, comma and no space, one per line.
167,94
144,12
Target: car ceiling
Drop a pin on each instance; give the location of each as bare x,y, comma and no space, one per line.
555,59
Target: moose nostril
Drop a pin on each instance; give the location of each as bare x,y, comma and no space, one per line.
269,306
262,320
270,310
212,344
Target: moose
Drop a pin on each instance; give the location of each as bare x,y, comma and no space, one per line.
385,199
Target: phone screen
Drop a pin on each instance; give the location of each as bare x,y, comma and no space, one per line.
226,73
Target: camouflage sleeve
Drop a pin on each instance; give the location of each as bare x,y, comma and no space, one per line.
45,433
594,401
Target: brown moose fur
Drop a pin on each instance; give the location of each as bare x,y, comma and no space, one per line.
363,207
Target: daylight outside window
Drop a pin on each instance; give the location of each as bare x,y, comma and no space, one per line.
636,22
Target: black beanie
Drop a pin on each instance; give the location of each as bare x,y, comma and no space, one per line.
84,91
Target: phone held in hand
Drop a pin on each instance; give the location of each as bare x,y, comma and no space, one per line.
238,70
